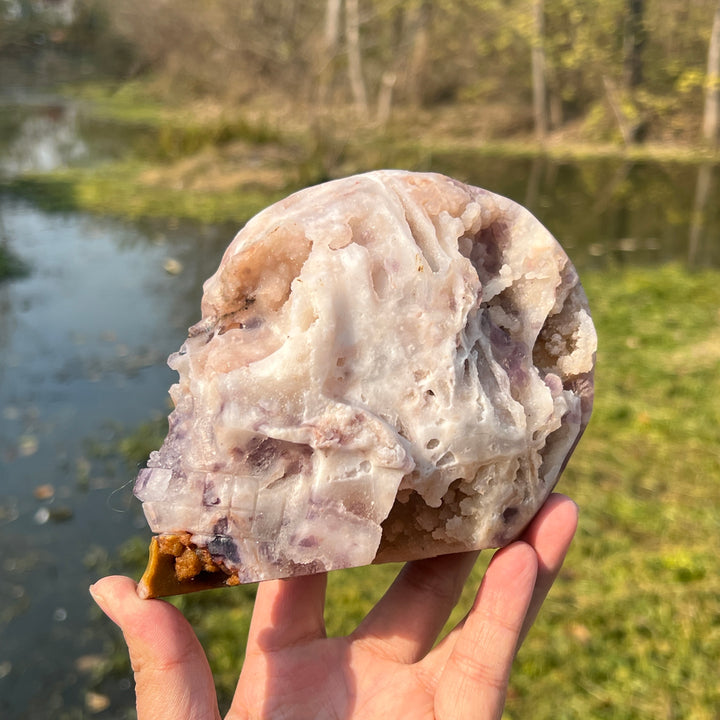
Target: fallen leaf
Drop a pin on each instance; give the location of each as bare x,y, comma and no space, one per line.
44,492
172,266
28,445
96,702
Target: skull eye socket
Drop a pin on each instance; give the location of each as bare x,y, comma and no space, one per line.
256,281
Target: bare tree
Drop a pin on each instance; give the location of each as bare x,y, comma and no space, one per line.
633,43
332,26
355,74
711,115
329,49
538,70
407,68
418,41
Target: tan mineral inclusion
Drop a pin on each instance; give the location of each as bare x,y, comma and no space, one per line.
390,366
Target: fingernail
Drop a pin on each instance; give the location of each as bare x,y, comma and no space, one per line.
96,595
100,600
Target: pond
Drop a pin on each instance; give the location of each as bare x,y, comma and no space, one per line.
609,212
83,342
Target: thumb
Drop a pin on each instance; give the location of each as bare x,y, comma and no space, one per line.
172,676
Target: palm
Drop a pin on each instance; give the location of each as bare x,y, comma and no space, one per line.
333,679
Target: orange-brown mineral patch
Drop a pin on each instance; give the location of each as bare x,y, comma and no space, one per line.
176,566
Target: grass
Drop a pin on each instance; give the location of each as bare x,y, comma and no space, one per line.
180,128
631,629
119,190
207,162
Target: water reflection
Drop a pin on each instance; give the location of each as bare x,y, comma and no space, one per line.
604,211
46,133
701,239
83,343
607,211
46,140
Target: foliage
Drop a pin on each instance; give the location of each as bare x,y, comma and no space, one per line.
44,30
412,52
631,628
22,25
432,53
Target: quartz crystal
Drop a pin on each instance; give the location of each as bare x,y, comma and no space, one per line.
389,366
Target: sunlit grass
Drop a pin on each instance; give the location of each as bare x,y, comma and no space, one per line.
633,628
119,190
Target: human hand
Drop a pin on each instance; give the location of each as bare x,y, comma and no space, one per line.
387,667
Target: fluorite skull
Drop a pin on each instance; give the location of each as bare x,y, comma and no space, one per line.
388,366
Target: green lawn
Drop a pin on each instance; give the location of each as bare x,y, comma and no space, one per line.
632,628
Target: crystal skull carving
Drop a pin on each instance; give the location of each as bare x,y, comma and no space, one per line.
389,366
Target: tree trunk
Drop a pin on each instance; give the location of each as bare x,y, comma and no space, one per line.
385,96
711,116
540,112
332,26
418,37
331,41
352,33
633,43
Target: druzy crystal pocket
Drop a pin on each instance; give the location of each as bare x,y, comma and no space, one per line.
389,366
